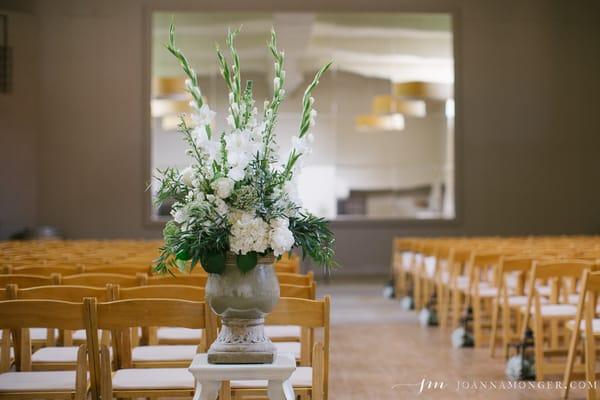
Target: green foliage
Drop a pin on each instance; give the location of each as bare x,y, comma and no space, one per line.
315,239
247,261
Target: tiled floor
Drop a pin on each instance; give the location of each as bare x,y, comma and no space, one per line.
379,351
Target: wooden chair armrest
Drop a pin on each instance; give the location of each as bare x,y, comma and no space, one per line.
81,373
318,372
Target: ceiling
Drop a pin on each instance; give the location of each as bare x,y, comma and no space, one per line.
396,46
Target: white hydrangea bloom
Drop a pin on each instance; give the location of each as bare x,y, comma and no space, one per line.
282,239
223,187
187,176
249,233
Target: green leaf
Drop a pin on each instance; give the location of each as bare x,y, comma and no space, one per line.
247,261
214,263
183,255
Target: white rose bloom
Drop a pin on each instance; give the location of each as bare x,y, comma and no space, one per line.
223,187
204,115
181,215
187,176
282,240
249,233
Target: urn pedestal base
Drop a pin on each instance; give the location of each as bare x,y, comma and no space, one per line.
242,341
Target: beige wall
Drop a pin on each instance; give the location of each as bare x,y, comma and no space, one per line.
19,116
528,134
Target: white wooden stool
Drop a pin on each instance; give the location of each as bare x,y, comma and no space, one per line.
209,376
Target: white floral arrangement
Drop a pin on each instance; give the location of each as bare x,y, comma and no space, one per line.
238,197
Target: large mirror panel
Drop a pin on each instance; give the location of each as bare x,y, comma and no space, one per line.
384,139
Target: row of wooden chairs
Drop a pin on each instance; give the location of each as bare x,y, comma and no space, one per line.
88,255
508,285
119,317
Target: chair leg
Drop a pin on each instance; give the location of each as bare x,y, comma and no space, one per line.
456,307
494,330
570,362
590,367
477,321
539,349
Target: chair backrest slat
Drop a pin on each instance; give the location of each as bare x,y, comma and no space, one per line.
123,314
15,314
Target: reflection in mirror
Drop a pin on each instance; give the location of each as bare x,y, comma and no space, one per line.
384,141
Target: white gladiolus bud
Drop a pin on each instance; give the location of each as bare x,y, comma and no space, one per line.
223,187
230,121
231,98
311,100
187,176
235,107
281,92
282,74
276,83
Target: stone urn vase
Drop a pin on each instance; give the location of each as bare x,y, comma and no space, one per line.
242,300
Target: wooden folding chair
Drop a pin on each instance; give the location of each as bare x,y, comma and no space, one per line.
122,315
309,379
21,315
585,327
52,357
167,355
506,308
547,320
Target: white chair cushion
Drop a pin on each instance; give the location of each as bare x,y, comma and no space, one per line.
282,331
301,377
430,266
544,290
177,352
486,291
595,325
288,347
557,310
55,354
39,333
79,335
152,378
37,381
407,257
167,333
515,301
445,276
